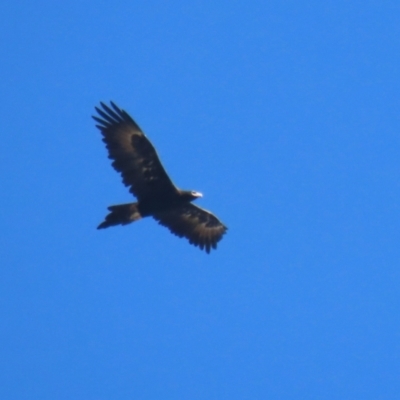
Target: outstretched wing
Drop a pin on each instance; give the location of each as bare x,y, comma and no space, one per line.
202,228
134,157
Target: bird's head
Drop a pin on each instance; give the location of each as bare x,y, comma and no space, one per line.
196,194
191,195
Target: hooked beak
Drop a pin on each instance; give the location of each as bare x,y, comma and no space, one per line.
197,194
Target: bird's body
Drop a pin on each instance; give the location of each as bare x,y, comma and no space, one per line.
135,158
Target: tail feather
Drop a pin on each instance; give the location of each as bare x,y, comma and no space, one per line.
121,214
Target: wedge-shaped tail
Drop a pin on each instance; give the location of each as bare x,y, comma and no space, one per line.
122,214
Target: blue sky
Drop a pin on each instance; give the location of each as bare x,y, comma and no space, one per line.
285,115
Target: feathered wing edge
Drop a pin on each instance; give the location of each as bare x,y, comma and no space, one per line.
199,226
133,155
111,117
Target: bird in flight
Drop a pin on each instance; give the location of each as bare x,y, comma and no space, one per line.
135,158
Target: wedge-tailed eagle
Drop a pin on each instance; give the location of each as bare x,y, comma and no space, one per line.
135,158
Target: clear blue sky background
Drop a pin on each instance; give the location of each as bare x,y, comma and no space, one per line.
285,114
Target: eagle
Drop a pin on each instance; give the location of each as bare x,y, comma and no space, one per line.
135,158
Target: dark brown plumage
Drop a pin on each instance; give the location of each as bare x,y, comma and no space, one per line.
135,158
